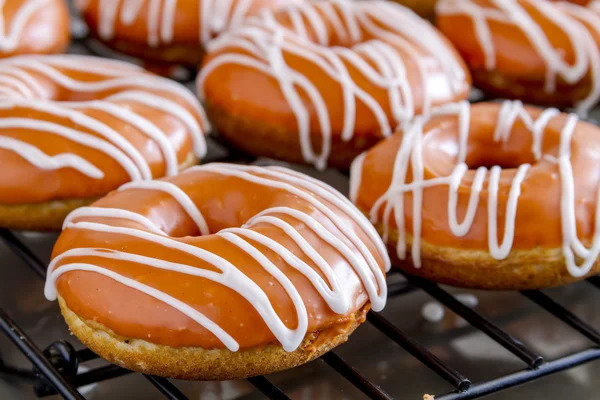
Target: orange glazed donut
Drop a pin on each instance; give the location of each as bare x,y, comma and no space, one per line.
33,27
73,128
169,31
222,272
321,82
535,50
491,196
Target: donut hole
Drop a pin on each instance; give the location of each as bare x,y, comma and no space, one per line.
477,157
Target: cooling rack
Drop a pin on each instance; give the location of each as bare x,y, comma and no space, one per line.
55,369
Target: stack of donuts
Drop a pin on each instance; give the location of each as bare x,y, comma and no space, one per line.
176,268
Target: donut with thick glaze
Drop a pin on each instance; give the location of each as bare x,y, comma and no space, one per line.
539,51
321,82
73,128
222,272
491,196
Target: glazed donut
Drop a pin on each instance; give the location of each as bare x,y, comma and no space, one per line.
73,128
33,27
490,196
538,51
169,31
321,82
222,272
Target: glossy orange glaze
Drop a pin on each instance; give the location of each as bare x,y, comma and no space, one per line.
44,30
187,19
515,55
256,95
225,202
538,218
26,183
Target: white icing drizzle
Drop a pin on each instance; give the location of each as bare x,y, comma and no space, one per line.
215,16
343,239
395,33
179,195
410,150
10,35
565,16
43,161
18,88
101,212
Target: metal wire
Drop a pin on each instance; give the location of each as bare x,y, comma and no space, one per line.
66,386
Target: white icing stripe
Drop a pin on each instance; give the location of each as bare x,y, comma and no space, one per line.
43,161
336,298
228,276
162,104
140,123
189,311
96,212
356,174
333,196
19,86
564,17
410,150
111,136
10,40
76,136
268,41
120,81
20,89
295,336
241,172
179,195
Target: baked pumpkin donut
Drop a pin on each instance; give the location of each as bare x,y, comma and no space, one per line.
539,51
33,27
168,32
73,128
222,272
321,82
489,196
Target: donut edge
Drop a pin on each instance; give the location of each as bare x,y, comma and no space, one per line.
263,139
495,84
195,363
49,216
477,269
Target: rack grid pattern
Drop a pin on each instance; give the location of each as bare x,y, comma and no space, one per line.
55,369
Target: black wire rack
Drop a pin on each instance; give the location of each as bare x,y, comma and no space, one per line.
55,369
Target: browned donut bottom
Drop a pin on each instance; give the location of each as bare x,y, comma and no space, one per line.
521,270
530,90
260,138
195,363
49,216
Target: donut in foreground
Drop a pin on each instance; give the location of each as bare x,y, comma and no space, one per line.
490,196
222,272
538,51
73,128
321,82
168,32
33,27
